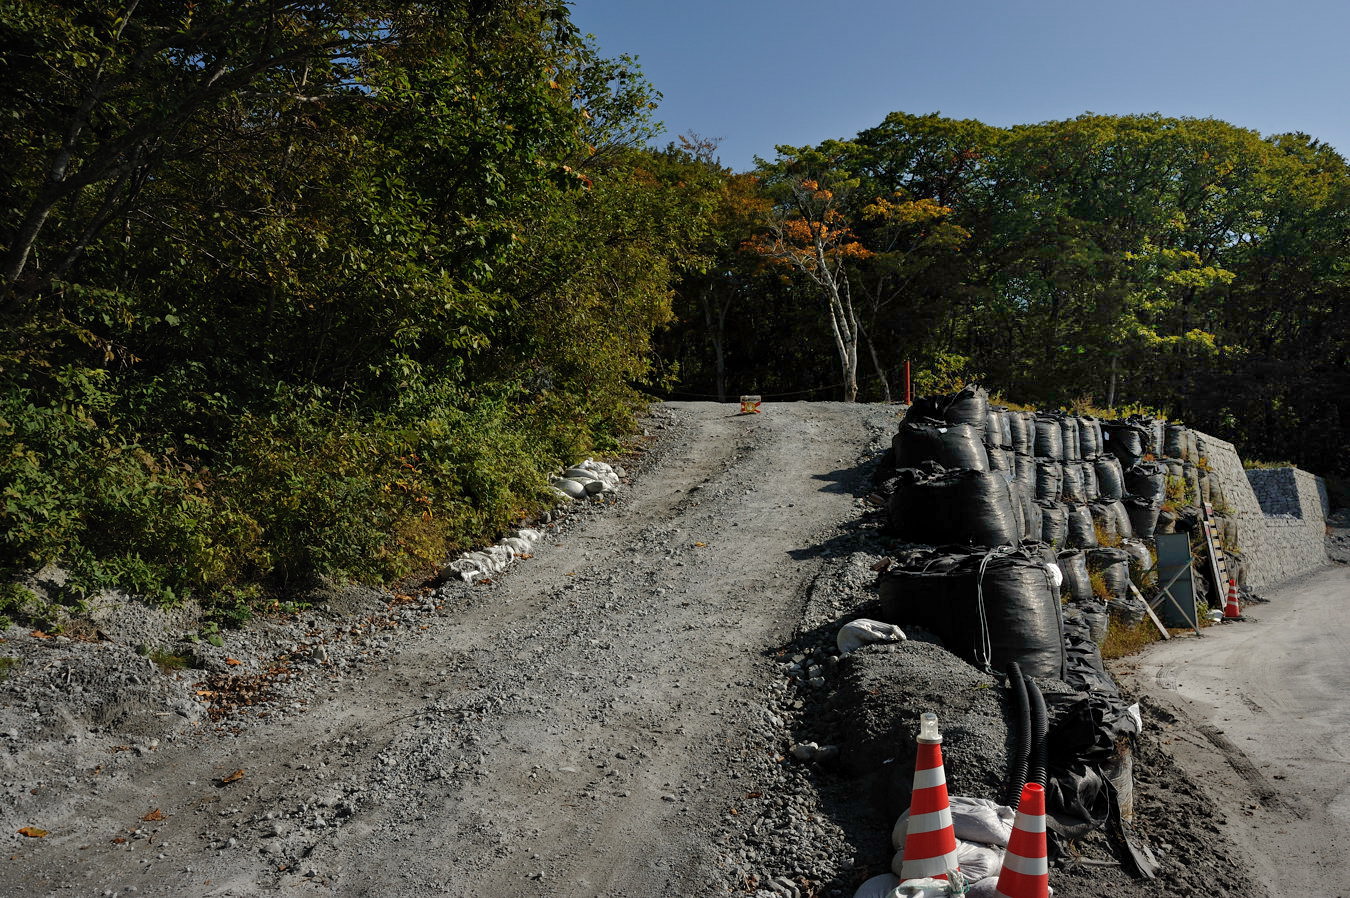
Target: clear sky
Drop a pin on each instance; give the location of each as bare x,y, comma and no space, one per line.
762,72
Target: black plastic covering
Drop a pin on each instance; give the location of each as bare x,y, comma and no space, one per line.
1068,431
1072,487
1089,437
987,608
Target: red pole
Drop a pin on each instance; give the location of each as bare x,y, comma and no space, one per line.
909,395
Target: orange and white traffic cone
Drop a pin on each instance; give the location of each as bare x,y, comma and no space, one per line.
1231,611
930,840
1026,868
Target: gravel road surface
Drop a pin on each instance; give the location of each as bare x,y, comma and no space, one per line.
576,728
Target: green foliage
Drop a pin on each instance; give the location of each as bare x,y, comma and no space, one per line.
1133,263
168,662
1256,464
8,663
334,312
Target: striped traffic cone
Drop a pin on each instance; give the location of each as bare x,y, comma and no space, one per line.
1026,869
1231,611
930,840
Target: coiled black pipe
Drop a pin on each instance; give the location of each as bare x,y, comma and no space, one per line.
1021,735
1040,727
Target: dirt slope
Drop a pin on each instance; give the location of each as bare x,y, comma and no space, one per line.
573,729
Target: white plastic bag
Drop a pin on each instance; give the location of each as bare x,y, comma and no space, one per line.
856,634
973,819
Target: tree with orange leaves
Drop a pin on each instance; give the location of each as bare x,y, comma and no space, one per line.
809,233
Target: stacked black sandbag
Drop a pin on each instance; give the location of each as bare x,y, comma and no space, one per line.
1125,441
1088,473
1071,489
1143,516
950,445
1114,566
1077,585
1090,437
989,608
1054,523
1049,441
1110,477
1049,479
958,506
1112,518
1068,431
1021,432
1081,534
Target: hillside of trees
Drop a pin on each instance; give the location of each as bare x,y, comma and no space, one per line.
1185,265
294,291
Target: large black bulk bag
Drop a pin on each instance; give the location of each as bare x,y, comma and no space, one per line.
950,445
1032,526
1024,473
1114,566
925,408
1049,441
1113,519
1147,480
1143,516
1068,433
963,506
1167,522
1175,442
1125,441
1077,584
989,611
1054,523
1023,431
1193,480
1089,437
1155,435
1088,472
1110,477
1049,480
1095,616
998,459
1072,487
1081,534
1206,493
968,406
1141,559
1193,445
996,430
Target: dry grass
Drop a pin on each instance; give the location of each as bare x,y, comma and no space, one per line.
1121,640
1099,589
1110,540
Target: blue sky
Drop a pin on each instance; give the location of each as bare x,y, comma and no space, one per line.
762,72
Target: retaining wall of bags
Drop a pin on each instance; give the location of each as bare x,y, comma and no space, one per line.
1278,516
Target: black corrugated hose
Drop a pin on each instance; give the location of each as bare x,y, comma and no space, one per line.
1017,766
1040,726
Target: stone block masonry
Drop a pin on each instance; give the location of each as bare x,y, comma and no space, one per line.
1280,514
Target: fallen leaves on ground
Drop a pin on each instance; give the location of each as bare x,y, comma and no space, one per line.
33,832
233,777
154,816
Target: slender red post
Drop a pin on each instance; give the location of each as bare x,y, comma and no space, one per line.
909,393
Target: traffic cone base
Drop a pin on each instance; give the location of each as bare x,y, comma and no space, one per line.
1231,609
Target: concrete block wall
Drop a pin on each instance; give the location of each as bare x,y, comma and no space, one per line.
1280,514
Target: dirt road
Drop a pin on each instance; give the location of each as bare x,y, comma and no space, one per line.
1263,724
575,728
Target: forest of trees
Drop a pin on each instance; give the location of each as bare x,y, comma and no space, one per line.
294,290
1185,265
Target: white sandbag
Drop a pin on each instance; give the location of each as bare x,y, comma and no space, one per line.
570,488
580,475
975,860
596,486
878,886
922,888
1057,574
973,819
988,888
517,545
856,634
530,535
